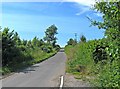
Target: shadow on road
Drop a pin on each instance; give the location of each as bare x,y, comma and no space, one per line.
29,69
33,67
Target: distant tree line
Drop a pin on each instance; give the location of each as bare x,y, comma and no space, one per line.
73,42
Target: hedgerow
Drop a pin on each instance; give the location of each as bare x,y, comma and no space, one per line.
100,59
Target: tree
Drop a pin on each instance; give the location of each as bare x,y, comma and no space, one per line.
72,42
111,24
82,38
16,39
9,49
41,42
24,42
37,42
50,35
29,43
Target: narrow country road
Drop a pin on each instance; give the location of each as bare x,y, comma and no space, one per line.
44,74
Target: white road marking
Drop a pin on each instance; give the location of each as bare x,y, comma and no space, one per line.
61,82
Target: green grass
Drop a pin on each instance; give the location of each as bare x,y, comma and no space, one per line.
79,58
80,62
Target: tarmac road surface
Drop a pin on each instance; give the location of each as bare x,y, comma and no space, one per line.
44,74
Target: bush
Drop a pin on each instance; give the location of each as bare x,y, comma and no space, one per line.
92,59
80,55
57,47
99,54
47,48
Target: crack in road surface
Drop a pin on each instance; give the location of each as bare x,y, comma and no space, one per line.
44,74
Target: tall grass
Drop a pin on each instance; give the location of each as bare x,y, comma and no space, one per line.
79,58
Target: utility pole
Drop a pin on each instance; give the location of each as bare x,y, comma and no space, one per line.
76,37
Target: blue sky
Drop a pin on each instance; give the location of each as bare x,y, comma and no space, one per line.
31,19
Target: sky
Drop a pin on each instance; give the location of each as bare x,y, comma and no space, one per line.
31,19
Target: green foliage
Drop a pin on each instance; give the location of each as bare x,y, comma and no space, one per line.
47,48
37,42
100,58
39,55
109,75
99,53
5,70
50,35
111,21
82,62
79,56
17,53
71,42
9,49
57,47
82,38
24,42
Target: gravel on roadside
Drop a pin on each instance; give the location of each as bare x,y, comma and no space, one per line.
70,81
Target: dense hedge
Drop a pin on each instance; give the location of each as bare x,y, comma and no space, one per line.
100,58
91,59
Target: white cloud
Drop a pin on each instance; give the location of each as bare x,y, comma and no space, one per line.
31,0
83,5
83,2
82,10
98,14
86,4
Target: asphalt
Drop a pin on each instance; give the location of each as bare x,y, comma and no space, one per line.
44,74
